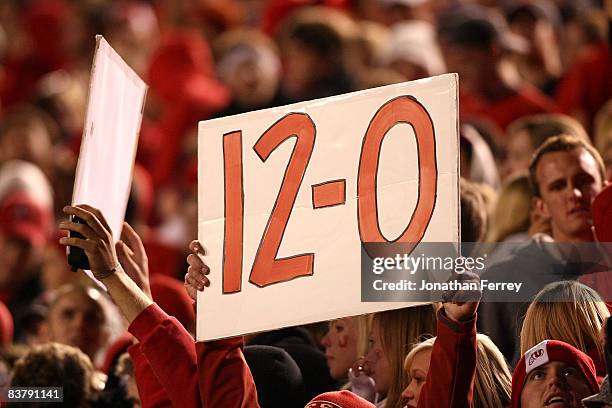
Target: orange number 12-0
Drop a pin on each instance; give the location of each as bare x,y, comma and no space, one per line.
267,269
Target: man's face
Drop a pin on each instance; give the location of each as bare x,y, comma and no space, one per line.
473,64
78,321
29,143
301,67
554,385
568,182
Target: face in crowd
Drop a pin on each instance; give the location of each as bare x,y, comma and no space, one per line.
417,376
568,183
340,344
77,318
554,385
376,358
519,150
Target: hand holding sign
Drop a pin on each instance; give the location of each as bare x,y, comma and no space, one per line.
110,137
195,278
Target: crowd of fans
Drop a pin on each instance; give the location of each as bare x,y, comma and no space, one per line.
535,80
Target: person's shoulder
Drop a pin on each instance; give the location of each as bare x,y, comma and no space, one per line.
520,258
515,252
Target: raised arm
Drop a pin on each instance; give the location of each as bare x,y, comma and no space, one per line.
227,381
165,358
452,368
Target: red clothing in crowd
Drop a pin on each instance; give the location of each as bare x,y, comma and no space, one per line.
166,364
181,75
525,101
588,84
275,11
172,370
452,368
45,23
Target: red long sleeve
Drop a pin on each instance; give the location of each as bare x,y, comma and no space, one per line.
171,354
452,369
226,380
218,376
151,392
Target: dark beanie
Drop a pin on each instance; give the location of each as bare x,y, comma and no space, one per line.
277,377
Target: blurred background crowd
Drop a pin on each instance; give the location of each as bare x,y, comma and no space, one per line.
527,70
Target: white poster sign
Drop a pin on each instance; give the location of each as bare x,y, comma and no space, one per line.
110,136
287,196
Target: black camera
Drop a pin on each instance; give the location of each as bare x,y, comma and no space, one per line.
76,256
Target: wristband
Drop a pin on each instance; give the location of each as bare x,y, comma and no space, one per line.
104,275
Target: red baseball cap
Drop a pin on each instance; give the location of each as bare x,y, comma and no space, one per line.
339,399
21,216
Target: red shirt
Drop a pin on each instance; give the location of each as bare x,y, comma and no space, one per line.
588,83
525,101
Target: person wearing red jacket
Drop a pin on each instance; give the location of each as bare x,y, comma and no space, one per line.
172,370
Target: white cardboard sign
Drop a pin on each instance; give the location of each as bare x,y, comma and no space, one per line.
287,195
110,136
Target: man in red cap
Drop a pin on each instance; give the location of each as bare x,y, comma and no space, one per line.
553,374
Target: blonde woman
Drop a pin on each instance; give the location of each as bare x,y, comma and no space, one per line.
513,220
493,383
392,334
571,312
345,342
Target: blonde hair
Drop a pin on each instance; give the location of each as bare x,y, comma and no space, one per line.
603,129
364,325
416,349
512,210
568,311
493,382
399,329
